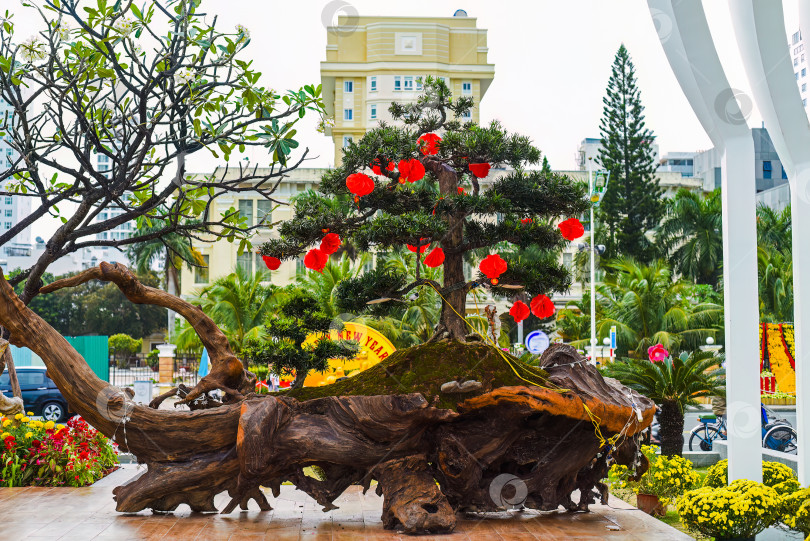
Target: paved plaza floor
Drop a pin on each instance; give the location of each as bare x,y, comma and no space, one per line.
89,513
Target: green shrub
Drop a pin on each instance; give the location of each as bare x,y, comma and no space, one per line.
122,346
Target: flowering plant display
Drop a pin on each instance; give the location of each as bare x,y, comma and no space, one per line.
37,453
777,355
775,475
794,510
668,476
742,509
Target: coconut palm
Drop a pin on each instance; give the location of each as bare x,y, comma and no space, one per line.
775,270
238,303
673,383
774,227
648,306
322,284
691,236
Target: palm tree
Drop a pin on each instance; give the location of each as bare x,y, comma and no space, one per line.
673,384
774,228
172,249
322,285
775,270
691,236
239,304
649,306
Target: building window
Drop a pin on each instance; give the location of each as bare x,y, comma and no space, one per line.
804,87
466,88
347,140
348,87
409,82
795,61
264,212
246,210
8,213
804,72
784,174
373,85
348,114
299,266
245,260
103,158
8,200
467,115
804,102
568,260
201,273
7,225
398,82
373,112
766,169
419,83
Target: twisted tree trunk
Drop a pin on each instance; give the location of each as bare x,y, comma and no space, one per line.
541,438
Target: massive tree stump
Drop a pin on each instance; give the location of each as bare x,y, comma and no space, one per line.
527,437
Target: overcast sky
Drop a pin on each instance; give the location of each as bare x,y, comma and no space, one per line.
552,62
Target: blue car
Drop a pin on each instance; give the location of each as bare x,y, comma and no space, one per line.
40,395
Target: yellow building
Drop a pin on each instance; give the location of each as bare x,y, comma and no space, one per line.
373,61
222,256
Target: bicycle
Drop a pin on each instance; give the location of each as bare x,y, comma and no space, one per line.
709,429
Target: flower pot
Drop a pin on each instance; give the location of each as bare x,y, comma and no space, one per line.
650,504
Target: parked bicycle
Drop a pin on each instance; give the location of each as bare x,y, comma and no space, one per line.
777,434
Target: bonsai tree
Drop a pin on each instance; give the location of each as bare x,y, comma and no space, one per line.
287,352
413,187
672,382
122,346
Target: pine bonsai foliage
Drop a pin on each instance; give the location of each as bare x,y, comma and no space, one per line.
298,316
448,208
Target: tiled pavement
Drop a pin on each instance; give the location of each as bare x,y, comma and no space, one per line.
89,513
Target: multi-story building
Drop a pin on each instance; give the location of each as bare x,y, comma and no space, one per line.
373,61
678,162
800,64
588,151
12,207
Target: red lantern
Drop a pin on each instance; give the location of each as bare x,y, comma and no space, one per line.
519,311
480,170
434,258
330,243
273,263
526,221
492,266
376,168
571,229
360,184
429,144
411,170
542,307
460,190
316,260
422,248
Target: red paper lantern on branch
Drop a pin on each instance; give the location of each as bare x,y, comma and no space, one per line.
376,168
519,311
434,258
526,221
429,144
360,184
411,171
330,243
480,170
571,229
542,307
273,263
422,248
492,266
316,260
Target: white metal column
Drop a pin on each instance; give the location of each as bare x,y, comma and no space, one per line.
687,42
761,37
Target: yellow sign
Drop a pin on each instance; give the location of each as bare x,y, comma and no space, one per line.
374,347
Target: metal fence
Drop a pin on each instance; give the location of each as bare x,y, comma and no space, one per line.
125,372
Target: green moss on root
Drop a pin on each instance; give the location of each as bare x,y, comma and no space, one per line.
424,368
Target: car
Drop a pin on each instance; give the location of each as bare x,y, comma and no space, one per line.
40,395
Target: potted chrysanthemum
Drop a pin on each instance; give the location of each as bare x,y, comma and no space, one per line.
795,511
737,512
667,478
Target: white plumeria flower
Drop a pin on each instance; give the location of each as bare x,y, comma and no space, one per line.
325,123
184,76
243,32
124,26
32,49
137,50
63,32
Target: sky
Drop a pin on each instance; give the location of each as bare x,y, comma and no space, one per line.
552,63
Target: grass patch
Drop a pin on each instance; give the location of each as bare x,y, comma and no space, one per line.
424,368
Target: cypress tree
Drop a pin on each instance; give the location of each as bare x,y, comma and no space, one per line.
633,202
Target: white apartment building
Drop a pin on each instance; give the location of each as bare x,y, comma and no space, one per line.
800,64
12,207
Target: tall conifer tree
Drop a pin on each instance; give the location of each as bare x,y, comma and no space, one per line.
633,204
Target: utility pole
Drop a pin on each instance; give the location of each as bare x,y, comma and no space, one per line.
593,263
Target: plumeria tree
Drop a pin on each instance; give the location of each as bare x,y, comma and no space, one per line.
143,86
421,185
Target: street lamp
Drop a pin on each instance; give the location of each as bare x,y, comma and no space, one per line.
596,191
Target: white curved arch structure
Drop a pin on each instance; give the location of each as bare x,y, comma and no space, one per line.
687,42
762,40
